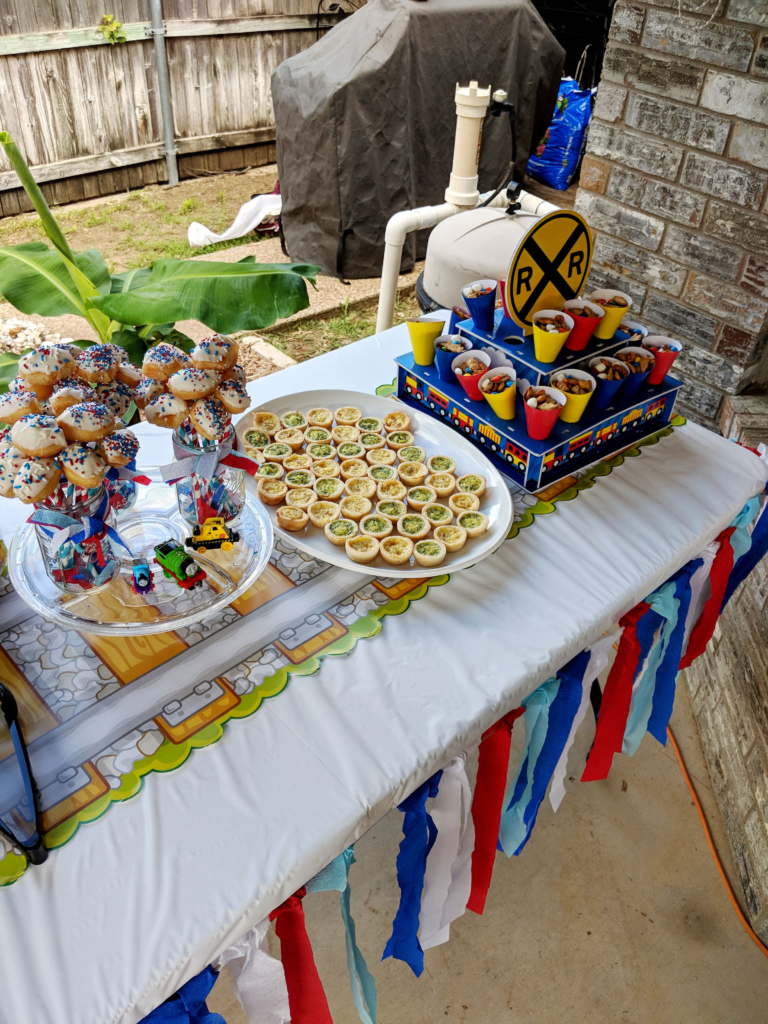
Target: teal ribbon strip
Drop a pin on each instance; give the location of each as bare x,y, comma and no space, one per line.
741,539
336,876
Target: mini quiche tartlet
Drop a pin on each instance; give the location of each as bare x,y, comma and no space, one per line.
300,497
329,488
271,492
394,489
376,526
454,537
412,473
325,467
277,452
437,514
294,420
340,531
441,464
299,478
399,439
343,433
362,485
353,467
396,421
381,473
348,416
418,497
471,483
255,439
475,523
429,552
459,503
291,518
321,450
412,453
354,507
362,549
271,469
380,456
267,423
320,417
291,462
317,435
350,450
292,437
370,425
369,440
391,509
396,550
413,525
323,512
444,483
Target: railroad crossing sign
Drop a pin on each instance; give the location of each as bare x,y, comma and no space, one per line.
549,266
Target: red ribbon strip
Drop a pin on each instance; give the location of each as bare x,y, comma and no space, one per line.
306,995
617,697
702,632
487,804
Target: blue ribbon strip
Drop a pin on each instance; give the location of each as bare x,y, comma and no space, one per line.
419,835
749,555
336,876
188,1005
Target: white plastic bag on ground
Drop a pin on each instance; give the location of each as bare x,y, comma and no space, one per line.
250,215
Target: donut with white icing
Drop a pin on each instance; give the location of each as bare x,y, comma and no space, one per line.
12,459
116,396
45,365
147,390
86,421
210,418
15,404
163,360
166,411
119,448
235,372
215,353
81,465
97,364
38,436
68,391
191,383
233,396
36,480
119,353
7,476
128,374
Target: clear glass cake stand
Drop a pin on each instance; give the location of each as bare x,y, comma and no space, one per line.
115,609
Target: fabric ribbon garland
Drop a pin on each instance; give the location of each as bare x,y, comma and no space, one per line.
702,631
699,580
419,835
188,1005
752,554
487,805
306,996
258,979
206,464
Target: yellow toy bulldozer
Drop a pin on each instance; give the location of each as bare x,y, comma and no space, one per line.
214,533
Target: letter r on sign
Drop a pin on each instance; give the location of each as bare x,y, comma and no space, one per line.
574,263
524,276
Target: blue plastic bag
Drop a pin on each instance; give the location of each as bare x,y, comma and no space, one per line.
558,154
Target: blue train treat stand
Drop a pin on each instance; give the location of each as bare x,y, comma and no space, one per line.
549,267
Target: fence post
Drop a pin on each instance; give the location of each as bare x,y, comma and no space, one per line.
158,34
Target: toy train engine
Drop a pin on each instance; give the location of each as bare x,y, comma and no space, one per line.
178,565
142,577
214,533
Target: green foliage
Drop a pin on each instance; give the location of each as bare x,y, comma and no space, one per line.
189,204
9,368
112,30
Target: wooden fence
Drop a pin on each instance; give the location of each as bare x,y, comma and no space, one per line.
86,114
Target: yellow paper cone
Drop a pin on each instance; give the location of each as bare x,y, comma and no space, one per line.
423,334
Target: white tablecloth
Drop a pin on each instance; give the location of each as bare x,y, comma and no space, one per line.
142,899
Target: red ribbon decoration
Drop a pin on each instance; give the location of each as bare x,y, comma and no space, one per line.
306,995
487,804
617,697
702,632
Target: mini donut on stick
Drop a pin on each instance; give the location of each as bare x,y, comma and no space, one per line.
147,390
7,476
12,459
166,411
36,480
68,391
128,374
191,383
87,421
97,364
82,466
210,418
215,353
119,448
116,396
45,365
15,404
163,360
235,372
38,436
233,396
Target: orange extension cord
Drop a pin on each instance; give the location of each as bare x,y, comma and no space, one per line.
713,851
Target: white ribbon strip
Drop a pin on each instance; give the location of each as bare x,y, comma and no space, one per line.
600,652
258,980
699,590
455,902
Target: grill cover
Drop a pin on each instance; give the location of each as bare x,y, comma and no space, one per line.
366,118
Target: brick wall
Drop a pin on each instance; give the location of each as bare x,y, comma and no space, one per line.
675,185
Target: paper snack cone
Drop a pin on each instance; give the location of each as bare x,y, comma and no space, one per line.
422,333
541,421
606,390
483,307
583,326
575,404
469,383
634,381
664,360
444,360
547,344
613,314
503,403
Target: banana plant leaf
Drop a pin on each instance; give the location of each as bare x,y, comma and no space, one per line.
9,368
129,280
227,297
36,279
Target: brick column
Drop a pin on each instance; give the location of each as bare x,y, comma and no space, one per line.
675,185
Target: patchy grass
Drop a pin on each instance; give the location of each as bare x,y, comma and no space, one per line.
305,339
